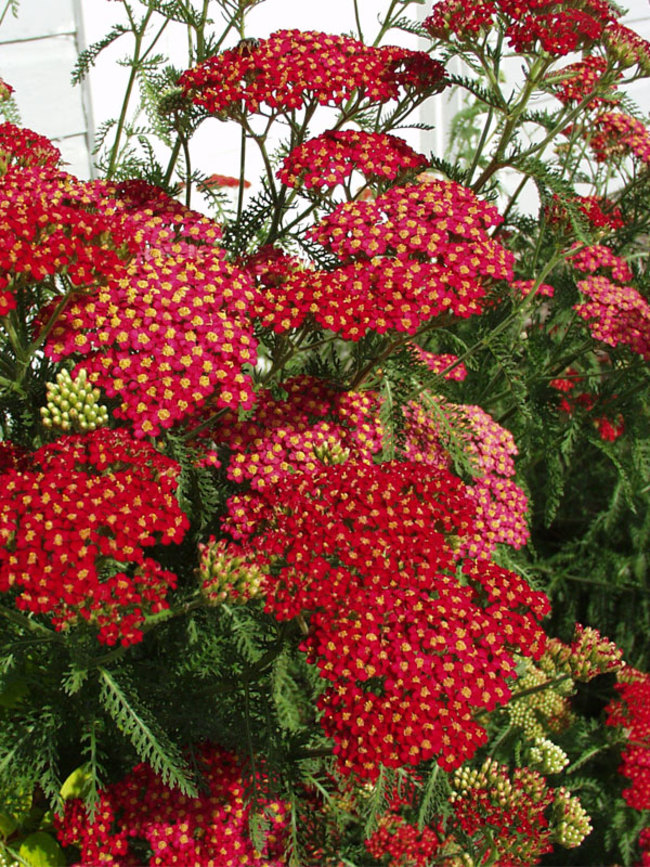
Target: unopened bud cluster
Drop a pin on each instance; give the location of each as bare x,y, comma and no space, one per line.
550,758
73,404
571,824
588,655
542,711
226,575
332,453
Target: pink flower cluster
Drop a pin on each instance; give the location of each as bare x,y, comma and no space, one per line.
617,315
211,829
174,329
578,81
596,256
331,158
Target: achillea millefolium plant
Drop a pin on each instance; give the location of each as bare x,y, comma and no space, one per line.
324,500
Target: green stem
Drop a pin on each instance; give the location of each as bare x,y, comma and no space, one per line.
27,623
138,34
549,684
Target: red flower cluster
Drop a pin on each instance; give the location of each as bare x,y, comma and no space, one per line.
632,712
403,843
617,134
525,287
75,520
411,254
601,213
292,69
573,398
513,819
579,80
50,223
210,829
627,48
174,329
314,426
331,158
411,651
616,314
555,26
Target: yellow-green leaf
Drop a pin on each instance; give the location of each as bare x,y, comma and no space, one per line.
41,850
76,785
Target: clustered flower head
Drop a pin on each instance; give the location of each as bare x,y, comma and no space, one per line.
211,829
627,48
173,330
631,711
508,813
397,842
588,655
617,315
600,212
369,553
552,26
51,224
614,134
501,505
544,707
444,364
596,256
293,69
76,518
578,81
411,254
329,160
315,425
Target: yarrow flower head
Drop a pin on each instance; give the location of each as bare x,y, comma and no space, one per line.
631,711
411,254
76,518
52,227
293,69
211,829
617,315
579,81
368,552
330,159
614,134
552,26
509,813
173,330
601,213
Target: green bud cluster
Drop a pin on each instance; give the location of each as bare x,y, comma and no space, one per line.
73,404
540,712
227,576
570,823
332,453
548,756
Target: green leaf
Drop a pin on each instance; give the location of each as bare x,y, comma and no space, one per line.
77,783
7,824
41,850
